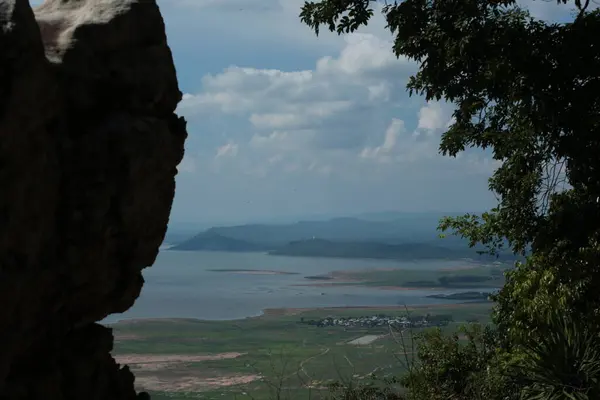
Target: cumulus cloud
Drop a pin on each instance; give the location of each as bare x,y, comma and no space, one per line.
384,152
229,5
331,128
227,150
259,23
346,112
434,117
333,105
366,71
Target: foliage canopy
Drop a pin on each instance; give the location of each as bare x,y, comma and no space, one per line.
527,91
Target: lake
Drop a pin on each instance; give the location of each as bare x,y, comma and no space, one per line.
181,285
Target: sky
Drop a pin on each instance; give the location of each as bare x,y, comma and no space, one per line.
283,124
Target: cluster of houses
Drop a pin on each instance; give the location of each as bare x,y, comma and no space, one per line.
379,321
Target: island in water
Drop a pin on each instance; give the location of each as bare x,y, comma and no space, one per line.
401,239
253,271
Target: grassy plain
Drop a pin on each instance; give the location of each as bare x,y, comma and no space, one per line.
192,359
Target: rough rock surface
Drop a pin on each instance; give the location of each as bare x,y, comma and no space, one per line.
89,144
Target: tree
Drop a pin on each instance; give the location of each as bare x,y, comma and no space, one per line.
445,368
529,92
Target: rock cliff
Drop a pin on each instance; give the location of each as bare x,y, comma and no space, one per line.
89,144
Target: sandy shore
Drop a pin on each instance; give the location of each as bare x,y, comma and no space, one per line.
334,278
275,312
461,268
147,360
171,372
253,272
434,288
347,278
354,283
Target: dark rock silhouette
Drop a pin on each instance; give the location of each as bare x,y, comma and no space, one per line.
89,145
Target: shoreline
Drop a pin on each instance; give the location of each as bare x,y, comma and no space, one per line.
289,311
274,312
346,278
362,284
252,272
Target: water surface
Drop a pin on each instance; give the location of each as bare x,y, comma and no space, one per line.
181,285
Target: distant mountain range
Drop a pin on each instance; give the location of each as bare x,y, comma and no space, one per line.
411,237
400,230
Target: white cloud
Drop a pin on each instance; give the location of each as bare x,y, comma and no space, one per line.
345,116
310,125
255,23
278,121
435,117
227,150
384,152
228,5
334,104
366,70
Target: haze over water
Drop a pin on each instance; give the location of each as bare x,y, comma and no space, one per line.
181,285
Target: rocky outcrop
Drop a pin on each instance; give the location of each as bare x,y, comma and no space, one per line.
89,145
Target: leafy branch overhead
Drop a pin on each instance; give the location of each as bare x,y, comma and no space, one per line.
346,16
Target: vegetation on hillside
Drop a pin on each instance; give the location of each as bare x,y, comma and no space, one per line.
394,243
385,228
528,91
376,250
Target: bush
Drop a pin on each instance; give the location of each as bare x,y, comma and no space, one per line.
466,365
563,363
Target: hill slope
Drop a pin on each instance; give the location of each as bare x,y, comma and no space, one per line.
211,241
402,230
375,250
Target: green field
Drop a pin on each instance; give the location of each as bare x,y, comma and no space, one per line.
243,359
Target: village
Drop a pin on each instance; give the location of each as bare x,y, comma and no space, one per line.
379,321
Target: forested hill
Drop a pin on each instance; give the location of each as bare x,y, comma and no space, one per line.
376,250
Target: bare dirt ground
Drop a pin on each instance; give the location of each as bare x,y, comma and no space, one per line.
148,359
190,382
366,340
171,372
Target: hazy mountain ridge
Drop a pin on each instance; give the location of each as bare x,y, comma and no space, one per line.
412,237
402,230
